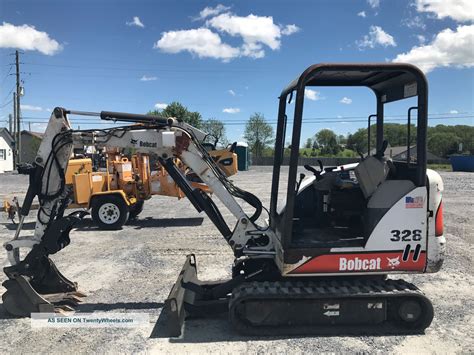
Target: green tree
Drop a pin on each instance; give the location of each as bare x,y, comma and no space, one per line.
458,133
443,144
341,139
309,143
216,131
394,133
258,134
327,140
177,110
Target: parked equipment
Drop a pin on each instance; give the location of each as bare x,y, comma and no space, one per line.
118,194
319,267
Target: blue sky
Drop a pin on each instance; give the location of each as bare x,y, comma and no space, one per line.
228,60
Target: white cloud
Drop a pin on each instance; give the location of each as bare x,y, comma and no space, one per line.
255,31
211,11
135,22
231,110
148,78
374,3
346,101
289,30
231,92
27,38
362,14
39,127
448,49
454,112
201,42
161,106
376,36
31,108
421,39
459,10
312,95
414,22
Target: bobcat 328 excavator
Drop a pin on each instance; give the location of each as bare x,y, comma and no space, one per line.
319,267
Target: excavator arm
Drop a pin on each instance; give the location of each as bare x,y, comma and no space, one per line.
34,283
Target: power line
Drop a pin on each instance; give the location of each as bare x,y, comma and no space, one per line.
305,119
6,96
365,117
90,122
7,103
159,69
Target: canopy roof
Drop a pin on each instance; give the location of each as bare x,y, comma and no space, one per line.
389,81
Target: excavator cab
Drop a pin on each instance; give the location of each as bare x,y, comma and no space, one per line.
354,207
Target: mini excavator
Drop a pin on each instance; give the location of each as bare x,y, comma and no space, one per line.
323,263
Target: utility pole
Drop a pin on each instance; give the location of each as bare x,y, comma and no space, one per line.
18,110
10,122
15,131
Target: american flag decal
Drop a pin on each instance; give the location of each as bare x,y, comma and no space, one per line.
414,202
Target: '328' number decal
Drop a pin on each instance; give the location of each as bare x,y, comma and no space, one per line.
406,235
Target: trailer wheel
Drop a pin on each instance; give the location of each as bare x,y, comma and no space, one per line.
109,212
136,209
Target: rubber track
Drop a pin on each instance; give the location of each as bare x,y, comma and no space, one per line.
333,290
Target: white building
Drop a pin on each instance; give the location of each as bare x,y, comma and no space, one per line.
6,151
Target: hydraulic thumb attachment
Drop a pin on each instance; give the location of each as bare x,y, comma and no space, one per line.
35,284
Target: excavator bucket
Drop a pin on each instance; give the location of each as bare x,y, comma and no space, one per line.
50,293
21,299
35,284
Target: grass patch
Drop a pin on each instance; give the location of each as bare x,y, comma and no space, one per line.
440,167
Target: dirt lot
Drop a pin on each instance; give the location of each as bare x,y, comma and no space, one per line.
133,269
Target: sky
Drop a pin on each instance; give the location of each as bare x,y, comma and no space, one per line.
228,60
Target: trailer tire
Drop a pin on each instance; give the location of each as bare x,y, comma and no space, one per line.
135,209
109,212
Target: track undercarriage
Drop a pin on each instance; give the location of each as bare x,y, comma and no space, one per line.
298,306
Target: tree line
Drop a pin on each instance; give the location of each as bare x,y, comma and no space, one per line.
442,140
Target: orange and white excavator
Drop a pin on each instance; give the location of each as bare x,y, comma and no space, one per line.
327,261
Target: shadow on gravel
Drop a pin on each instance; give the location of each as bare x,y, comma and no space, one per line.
91,307
151,222
148,222
84,224
209,330
4,314
13,226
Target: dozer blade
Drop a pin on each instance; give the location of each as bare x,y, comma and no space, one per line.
173,314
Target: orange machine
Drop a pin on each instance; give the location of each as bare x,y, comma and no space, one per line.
118,193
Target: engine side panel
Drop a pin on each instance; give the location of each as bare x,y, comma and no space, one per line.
398,244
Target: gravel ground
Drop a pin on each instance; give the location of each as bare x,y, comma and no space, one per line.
133,270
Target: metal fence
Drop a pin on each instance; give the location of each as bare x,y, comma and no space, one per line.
326,161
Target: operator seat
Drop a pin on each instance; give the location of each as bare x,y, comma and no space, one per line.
380,193
371,173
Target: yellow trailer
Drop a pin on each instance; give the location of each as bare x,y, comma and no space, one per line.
118,194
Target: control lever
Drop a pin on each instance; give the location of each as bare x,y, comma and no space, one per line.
313,170
302,176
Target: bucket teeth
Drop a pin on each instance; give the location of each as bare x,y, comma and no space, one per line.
64,310
77,299
78,294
